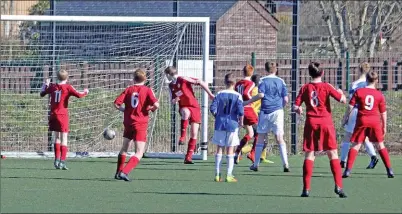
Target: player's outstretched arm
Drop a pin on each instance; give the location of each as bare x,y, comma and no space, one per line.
154,107
45,87
383,111
241,111
298,102
348,111
78,94
257,97
203,85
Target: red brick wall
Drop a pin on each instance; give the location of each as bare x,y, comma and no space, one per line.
242,30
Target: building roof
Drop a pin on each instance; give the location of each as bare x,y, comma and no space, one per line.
188,8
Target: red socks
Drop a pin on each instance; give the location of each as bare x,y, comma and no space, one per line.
64,151
254,143
57,152
307,173
336,172
183,130
121,159
385,157
190,149
243,142
132,163
351,158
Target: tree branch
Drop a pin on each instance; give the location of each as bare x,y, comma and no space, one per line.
327,20
342,37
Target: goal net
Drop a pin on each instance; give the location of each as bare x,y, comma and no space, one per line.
99,53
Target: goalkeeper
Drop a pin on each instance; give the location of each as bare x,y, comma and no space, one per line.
256,106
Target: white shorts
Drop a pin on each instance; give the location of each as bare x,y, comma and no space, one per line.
350,126
272,122
224,138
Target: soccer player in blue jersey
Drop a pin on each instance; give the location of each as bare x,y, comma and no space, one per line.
349,121
227,108
273,94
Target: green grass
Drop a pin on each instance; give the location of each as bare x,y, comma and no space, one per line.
170,186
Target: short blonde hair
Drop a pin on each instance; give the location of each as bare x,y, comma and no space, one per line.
140,75
62,75
364,67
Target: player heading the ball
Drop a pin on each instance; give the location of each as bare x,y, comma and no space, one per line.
245,87
349,121
138,100
58,119
227,108
371,122
181,91
273,94
319,131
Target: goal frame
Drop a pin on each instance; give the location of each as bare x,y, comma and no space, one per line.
127,19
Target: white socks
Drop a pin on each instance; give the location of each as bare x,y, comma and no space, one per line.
344,151
284,154
218,161
230,162
370,149
258,150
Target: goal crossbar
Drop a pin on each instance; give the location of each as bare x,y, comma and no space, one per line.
103,18
131,19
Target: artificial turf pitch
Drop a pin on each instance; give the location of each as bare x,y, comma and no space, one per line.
168,186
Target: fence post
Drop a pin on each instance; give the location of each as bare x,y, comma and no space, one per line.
84,74
253,60
347,70
384,76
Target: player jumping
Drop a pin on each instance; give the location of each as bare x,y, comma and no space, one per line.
58,118
181,91
273,92
371,107
227,108
319,131
350,121
245,87
138,100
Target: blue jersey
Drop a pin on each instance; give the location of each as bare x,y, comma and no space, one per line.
274,90
227,108
356,85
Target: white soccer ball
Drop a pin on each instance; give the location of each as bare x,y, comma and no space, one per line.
109,134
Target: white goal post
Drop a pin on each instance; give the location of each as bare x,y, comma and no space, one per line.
90,144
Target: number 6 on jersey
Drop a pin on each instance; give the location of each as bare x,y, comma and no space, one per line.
134,100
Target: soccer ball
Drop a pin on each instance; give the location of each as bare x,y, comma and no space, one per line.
109,134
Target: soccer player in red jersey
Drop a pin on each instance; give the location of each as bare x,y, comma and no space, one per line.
319,131
245,87
58,118
138,100
371,122
181,91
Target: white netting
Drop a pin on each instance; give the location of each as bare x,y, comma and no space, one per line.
100,56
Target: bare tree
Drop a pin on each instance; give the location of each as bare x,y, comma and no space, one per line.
356,25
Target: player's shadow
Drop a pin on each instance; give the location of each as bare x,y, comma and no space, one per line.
28,168
92,179
225,194
175,169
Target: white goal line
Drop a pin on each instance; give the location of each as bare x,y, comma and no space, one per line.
103,18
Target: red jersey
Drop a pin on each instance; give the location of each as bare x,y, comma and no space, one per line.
59,95
316,98
137,99
182,88
245,87
370,104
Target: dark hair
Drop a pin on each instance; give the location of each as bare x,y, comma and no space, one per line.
269,66
229,79
171,70
256,78
371,76
314,70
